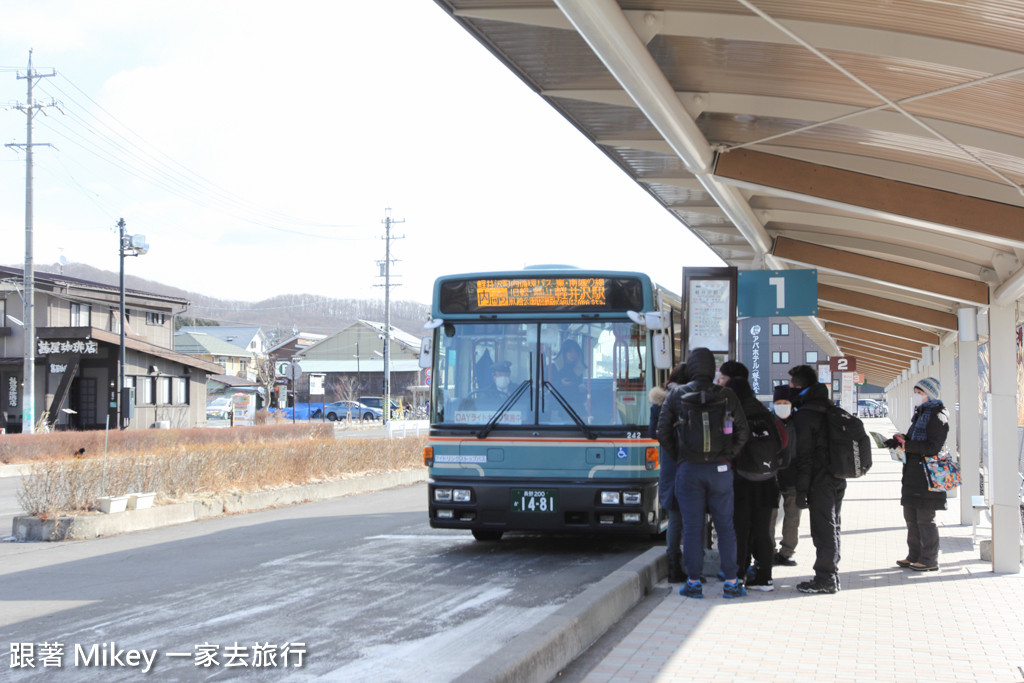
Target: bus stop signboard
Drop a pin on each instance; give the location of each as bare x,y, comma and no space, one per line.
766,293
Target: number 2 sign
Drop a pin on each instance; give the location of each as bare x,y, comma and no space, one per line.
842,364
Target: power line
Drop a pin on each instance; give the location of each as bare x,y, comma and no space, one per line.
93,129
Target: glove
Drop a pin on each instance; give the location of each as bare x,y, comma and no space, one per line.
801,501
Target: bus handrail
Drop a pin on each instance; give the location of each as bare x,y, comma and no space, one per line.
482,434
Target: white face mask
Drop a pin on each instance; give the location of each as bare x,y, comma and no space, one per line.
919,399
501,383
783,410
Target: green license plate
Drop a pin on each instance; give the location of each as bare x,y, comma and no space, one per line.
534,500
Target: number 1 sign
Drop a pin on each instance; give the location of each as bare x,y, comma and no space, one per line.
765,293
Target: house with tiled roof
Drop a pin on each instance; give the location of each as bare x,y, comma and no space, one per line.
76,352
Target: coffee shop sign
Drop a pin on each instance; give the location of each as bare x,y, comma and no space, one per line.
67,346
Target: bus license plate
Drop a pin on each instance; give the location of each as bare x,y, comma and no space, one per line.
534,500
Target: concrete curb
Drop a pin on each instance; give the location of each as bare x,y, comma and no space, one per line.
26,528
540,653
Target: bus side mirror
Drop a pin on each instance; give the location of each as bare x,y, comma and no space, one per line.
426,351
662,351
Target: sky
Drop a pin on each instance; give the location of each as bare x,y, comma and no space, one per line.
259,146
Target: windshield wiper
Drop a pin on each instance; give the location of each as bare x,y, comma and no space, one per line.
482,434
572,413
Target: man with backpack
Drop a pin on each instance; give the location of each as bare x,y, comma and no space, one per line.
755,489
817,490
702,427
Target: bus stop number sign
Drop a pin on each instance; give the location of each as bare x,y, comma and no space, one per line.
765,293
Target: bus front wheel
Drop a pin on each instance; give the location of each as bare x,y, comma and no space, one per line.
484,535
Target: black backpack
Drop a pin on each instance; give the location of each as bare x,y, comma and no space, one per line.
849,445
767,451
701,426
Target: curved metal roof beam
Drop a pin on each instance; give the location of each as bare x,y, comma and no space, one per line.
602,24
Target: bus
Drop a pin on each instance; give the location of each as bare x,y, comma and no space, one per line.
539,408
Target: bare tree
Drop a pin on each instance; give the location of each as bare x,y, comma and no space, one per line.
266,376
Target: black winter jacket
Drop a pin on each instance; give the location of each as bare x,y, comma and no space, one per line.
914,492
787,477
811,435
700,365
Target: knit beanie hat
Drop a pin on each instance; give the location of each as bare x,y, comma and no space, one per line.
931,388
781,393
734,369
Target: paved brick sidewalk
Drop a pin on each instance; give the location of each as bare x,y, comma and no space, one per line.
962,623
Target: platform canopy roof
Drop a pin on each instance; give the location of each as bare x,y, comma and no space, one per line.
878,141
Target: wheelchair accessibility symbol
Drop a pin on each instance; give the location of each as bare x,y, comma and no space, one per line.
622,454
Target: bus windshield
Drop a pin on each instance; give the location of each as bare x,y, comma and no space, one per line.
595,370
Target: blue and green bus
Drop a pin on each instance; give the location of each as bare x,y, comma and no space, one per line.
539,408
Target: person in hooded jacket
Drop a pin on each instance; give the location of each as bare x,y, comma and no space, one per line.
782,406
816,489
755,497
702,484
667,479
929,427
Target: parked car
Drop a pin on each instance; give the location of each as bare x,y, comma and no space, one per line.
377,402
219,408
350,410
868,407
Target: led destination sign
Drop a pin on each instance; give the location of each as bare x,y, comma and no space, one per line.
584,294
541,292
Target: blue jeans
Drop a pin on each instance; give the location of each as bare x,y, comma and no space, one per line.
701,486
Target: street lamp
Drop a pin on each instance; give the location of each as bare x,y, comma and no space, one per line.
130,245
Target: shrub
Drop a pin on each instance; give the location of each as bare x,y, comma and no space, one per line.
21,448
56,486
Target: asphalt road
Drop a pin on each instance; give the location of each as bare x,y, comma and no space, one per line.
371,592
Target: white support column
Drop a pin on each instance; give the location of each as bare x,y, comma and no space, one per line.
1003,481
968,417
945,371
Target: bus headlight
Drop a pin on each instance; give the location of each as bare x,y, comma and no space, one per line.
445,514
442,495
631,517
609,497
461,495
631,497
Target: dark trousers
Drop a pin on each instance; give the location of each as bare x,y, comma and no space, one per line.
825,500
754,536
700,487
922,535
790,523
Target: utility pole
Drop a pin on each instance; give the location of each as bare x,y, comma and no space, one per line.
385,268
28,401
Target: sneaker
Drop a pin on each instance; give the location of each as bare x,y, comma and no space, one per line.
783,561
904,563
764,586
818,586
918,567
692,589
733,589
751,574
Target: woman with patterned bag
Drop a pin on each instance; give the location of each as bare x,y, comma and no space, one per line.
929,427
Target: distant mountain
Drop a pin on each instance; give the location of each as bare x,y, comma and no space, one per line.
277,315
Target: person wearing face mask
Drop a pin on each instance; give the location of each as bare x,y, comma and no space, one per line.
817,490
782,406
495,391
929,427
